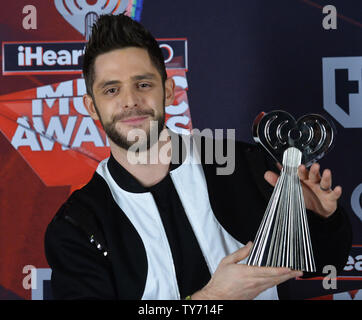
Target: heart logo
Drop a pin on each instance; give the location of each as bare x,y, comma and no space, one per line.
277,130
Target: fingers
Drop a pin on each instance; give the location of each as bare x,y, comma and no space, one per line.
326,180
271,177
232,280
263,278
303,172
238,255
243,252
337,192
314,175
326,184
274,272
262,285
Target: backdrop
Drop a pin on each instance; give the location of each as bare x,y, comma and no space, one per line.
230,60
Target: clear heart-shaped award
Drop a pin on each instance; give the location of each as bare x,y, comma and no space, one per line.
283,238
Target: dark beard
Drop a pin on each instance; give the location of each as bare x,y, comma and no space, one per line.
120,140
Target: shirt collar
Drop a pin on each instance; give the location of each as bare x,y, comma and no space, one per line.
128,182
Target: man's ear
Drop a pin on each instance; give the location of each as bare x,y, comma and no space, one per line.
89,105
169,91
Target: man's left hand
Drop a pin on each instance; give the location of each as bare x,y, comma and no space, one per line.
318,194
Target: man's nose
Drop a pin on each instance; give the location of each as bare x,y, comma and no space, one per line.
129,98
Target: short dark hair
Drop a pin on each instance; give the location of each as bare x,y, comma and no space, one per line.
112,32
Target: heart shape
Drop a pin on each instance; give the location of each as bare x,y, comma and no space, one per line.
277,130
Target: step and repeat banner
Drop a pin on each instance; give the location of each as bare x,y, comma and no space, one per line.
230,60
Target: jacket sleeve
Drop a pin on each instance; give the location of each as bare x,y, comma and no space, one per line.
79,269
331,240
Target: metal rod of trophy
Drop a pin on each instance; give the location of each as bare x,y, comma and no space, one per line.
283,238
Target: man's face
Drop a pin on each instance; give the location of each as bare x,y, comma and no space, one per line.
128,93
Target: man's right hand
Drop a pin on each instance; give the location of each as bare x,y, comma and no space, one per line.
233,281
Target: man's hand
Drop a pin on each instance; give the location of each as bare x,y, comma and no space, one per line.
233,281
318,194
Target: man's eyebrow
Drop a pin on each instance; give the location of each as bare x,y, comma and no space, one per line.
146,76
107,83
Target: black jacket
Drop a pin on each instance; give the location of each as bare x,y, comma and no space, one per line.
96,253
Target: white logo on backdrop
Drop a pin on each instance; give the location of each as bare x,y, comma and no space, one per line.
353,65
82,15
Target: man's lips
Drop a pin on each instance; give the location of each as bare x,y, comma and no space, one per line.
134,120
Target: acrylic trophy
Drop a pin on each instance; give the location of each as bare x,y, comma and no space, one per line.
283,238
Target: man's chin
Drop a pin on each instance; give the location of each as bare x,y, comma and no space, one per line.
138,136
132,139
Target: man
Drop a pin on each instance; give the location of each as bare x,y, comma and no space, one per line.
162,229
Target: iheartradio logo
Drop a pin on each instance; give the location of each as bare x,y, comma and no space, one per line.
82,15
